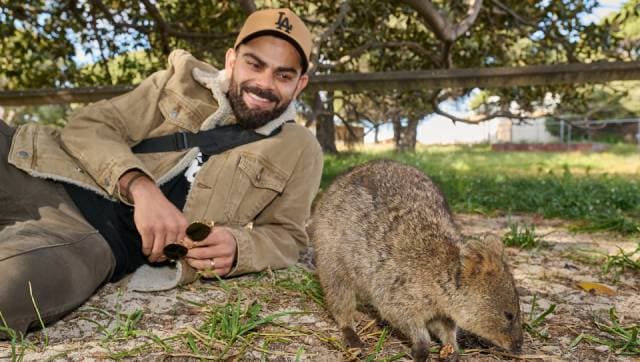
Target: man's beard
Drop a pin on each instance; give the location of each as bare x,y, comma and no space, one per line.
253,118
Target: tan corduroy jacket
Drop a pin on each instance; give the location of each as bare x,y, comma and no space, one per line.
262,190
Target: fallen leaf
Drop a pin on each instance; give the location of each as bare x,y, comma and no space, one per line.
597,288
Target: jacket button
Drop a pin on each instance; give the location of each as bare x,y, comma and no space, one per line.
23,154
174,114
106,182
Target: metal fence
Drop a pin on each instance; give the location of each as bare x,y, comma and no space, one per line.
567,132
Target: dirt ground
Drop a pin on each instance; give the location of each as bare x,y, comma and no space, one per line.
169,325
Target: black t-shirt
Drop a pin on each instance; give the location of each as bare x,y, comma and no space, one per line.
114,220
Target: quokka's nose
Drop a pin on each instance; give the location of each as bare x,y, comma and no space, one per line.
517,345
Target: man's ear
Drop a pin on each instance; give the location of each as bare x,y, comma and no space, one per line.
230,60
302,84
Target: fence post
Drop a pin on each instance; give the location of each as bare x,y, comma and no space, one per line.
562,131
569,137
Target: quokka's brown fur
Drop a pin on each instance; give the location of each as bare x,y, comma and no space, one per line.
383,235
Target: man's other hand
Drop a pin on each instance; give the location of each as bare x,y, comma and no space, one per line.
158,221
215,253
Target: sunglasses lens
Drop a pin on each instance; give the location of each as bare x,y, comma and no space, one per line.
175,251
198,231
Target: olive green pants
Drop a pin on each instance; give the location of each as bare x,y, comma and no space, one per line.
50,257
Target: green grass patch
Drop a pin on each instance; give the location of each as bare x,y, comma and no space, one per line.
622,261
522,236
571,186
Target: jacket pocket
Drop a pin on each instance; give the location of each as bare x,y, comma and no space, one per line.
256,182
178,111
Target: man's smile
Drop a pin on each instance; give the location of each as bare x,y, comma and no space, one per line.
255,101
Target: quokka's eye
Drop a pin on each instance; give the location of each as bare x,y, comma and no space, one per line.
509,316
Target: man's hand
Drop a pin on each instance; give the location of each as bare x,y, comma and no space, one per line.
215,253
158,221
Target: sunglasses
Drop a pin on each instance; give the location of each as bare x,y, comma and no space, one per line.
196,231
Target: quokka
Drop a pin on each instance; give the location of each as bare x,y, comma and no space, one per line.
384,236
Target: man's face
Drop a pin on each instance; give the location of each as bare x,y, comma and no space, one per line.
265,78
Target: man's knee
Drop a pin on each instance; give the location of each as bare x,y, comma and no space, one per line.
15,314
51,279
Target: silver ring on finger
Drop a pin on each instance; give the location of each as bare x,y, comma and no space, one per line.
212,263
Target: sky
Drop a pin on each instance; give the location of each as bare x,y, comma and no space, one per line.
435,129
606,7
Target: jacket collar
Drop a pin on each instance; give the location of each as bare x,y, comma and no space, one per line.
217,82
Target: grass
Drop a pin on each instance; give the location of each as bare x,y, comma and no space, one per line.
522,236
18,344
622,261
534,322
303,282
231,322
596,191
245,324
384,335
17,341
117,325
227,330
612,265
621,339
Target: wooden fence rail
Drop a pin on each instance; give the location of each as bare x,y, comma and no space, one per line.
403,80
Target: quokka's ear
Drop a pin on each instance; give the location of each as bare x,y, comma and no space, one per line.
494,246
481,257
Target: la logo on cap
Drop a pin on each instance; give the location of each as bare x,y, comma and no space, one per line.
283,23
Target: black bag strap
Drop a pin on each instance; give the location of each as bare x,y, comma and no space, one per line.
211,142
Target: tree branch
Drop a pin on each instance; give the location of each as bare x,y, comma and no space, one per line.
442,27
98,38
553,33
480,118
356,52
513,14
160,24
331,29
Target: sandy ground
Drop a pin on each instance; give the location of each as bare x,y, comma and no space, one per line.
170,322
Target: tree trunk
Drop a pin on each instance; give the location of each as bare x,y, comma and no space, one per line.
325,128
376,134
405,137
397,129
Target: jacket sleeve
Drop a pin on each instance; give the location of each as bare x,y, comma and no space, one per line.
100,135
279,232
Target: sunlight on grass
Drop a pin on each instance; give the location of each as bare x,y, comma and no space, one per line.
528,163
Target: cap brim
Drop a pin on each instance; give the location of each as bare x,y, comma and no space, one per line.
281,35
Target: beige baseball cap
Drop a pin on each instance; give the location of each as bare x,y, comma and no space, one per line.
282,23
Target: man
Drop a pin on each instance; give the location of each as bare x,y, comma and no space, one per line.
80,208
